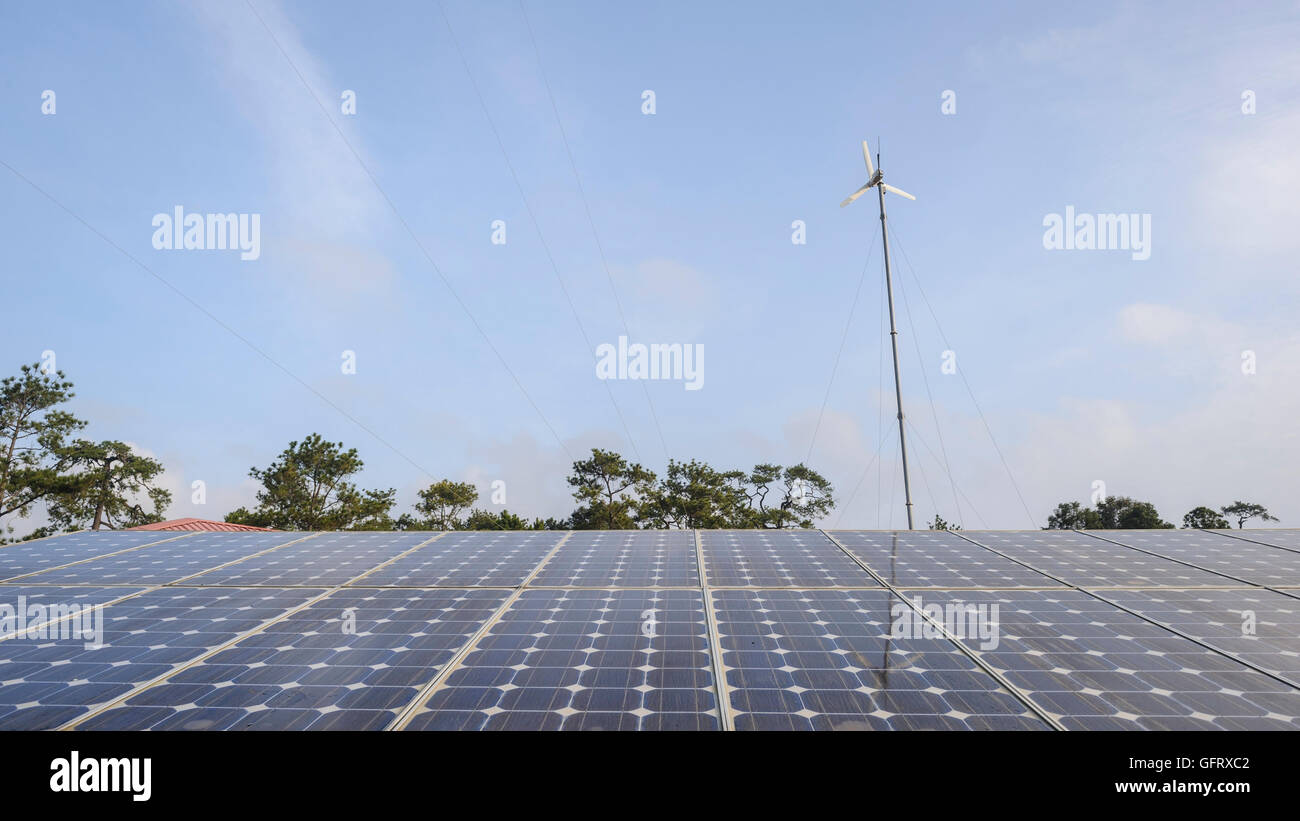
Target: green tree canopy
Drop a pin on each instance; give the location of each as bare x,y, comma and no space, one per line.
442,504
694,495
307,488
786,497
1204,517
609,490
1115,512
34,457
940,524
108,487
1245,511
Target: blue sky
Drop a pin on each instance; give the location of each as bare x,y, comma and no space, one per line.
1087,365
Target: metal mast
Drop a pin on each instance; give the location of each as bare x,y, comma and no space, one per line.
876,179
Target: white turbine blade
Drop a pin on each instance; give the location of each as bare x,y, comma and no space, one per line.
900,192
855,195
866,155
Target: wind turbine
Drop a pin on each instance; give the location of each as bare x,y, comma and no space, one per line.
876,179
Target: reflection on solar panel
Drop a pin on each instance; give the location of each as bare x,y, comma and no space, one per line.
30,557
778,558
936,558
1289,539
653,630
631,558
584,660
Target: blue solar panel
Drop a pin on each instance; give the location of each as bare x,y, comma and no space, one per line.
826,660
326,559
1093,666
318,669
627,558
42,554
778,558
584,660
936,558
643,630
474,559
167,562
1250,562
46,683
1085,561
1287,538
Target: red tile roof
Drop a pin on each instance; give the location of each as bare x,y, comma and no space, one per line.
197,524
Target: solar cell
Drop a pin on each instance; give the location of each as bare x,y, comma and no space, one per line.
166,562
936,558
1094,666
826,660
348,662
488,558
42,554
583,660
327,560
1082,560
623,558
46,683
42,602
1251,562
777,558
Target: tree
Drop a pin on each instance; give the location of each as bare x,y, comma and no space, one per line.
940,524
1116,512
804,495
443,502
106,489
487,520
306,488
610,491
694,495
1073,516
1245,511
33,452
1204,517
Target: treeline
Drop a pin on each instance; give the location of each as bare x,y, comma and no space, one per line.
1124,513
309,487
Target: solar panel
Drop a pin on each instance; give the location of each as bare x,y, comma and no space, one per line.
584,660
47,683
1094,666
1243,560
936,558
166,562
825,660
470,559
1085,561
778,558
42,554
1289,539
647,630
319,669
325,559
1257,626
631,558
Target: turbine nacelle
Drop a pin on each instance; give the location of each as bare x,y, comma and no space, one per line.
874,177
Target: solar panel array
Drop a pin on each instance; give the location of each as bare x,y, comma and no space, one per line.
652,630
